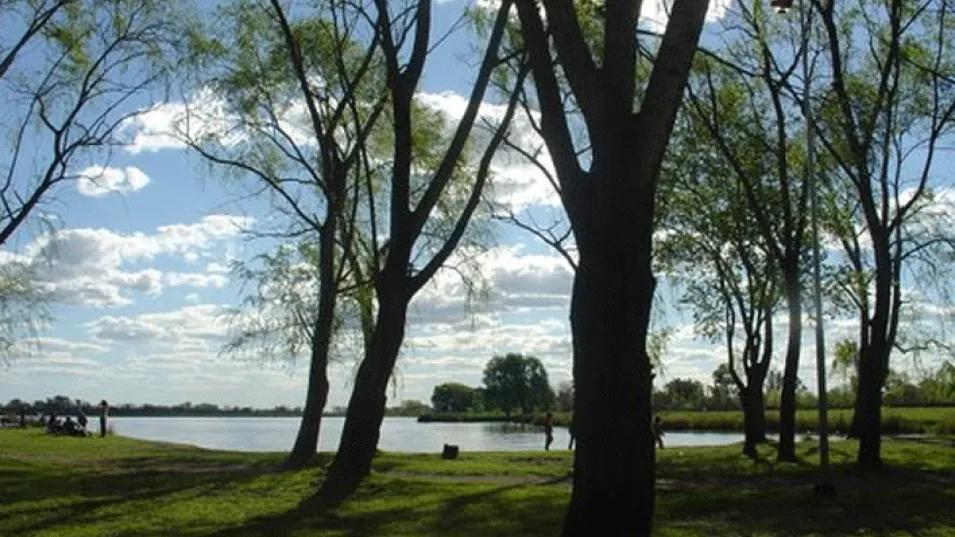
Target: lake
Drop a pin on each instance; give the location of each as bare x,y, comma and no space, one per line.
397,434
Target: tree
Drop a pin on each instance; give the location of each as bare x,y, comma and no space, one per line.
514,381
565,397
419,188
452,397
685,394
889,105
70,71
747,119
723,389
611,188
711,245
290,103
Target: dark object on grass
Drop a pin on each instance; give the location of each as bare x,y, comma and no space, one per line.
103,413
450,452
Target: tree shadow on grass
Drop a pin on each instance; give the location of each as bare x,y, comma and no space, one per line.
901,500
56,498
420,507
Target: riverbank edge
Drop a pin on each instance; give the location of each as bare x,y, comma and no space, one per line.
905,420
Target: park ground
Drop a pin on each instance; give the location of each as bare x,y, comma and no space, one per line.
118,486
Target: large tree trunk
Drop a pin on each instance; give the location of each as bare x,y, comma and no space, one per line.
787,403
867,420
614,463
366,408
306,443
754,417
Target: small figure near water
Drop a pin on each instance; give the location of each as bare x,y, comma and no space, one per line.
548,431
82,421
103,413
658,433
572,430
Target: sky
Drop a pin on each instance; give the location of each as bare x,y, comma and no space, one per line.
140,265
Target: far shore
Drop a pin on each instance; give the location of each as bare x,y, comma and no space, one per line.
907,420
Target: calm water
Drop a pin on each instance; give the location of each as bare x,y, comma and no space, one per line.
397,434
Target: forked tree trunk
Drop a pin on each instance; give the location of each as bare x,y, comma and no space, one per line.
787,404
614,465
754,417
366,408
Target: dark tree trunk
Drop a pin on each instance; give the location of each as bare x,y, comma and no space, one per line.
306,443
366,408
868,417
787,403
754,417
614,463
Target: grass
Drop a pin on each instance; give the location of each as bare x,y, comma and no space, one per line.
55,486
908,420
913,420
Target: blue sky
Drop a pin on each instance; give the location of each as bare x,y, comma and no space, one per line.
141,273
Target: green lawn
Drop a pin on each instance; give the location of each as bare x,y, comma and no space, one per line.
123,487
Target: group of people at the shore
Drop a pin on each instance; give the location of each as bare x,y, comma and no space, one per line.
68,426
656,427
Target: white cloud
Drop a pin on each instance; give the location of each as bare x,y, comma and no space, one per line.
167,125
516,282
196,327
88,266
97,181
216,268
516,182
179,279
656,13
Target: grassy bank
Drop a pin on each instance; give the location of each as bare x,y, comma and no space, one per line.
119,486
929,420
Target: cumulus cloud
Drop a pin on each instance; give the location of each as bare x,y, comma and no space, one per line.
89,266
166,125
179,279
517,182
191,327
97,181
515,282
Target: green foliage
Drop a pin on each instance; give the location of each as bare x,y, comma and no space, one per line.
564,398
453,397
514,382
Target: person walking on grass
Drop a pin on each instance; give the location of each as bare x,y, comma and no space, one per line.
573,431
548,431
658,433
103,413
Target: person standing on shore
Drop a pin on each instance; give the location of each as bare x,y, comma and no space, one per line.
658,431
572,430
548,431
103,413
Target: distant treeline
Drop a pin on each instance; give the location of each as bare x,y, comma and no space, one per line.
63,405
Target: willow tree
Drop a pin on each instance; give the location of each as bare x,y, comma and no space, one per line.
710,247
289,103
70,73
750,120
888,107
420,228
608,195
